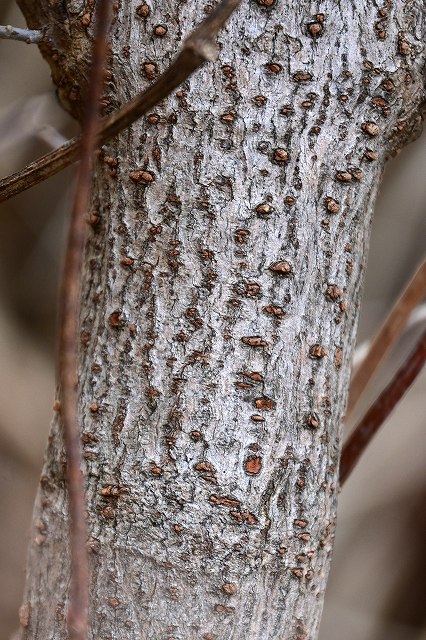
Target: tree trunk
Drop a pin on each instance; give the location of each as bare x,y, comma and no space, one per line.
220,298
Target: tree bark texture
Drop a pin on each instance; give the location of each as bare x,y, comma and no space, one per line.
222,282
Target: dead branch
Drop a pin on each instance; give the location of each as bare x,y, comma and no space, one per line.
69,331
388,334
381,408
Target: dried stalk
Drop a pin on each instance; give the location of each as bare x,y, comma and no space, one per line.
381,408
199,47
69,330
387,335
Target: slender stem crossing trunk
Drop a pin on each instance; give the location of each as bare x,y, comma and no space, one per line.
219,305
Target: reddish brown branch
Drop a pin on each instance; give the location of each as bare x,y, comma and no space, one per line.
199,48
388,334
69,330
379,411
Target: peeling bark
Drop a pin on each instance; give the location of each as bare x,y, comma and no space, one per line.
219,309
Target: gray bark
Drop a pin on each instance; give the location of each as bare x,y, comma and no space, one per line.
219,305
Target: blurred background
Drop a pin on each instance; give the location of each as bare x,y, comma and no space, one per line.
377,588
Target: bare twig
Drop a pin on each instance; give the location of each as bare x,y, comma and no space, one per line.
199,47
388,334
69,330
379,411
30,36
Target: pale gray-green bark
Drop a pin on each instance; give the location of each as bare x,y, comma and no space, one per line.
219,308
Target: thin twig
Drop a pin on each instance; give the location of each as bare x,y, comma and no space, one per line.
30,36
199,47
388,334
379,411
69,331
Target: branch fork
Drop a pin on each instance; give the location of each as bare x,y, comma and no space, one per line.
199,47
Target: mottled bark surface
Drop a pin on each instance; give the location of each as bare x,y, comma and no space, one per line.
219,308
